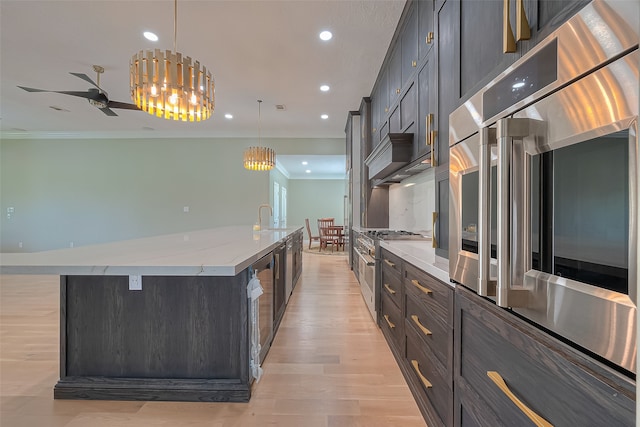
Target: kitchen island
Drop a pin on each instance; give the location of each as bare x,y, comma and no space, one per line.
158,318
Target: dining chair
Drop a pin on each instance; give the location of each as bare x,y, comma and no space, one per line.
328,235
312,238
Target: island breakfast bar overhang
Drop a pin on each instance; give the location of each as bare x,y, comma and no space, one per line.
158,318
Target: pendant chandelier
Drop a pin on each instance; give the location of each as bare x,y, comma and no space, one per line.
259,158
169,85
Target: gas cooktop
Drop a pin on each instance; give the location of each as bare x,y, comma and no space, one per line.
394,235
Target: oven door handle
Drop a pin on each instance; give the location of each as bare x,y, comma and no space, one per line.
514,213
486,287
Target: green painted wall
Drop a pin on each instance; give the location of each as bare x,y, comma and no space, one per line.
99,190
315,199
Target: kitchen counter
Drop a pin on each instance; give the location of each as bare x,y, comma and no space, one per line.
159,318
224,251
422,255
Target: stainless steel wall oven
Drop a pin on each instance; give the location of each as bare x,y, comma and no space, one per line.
544,184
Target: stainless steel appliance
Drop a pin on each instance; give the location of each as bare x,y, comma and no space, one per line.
288,277
264,269
365,250
544,184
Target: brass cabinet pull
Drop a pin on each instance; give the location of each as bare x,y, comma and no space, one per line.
389,263
416,368
373,130
535,418
397,90
416,320
523,32
414,63
434,240
422,288
428,122
386,109
277,267
389,289
391,325
429,37
434,134
508,41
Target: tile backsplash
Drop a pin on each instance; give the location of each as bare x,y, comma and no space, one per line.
412,202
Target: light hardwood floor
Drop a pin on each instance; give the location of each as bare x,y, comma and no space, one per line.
329,365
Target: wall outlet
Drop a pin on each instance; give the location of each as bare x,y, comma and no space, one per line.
185,209
135,282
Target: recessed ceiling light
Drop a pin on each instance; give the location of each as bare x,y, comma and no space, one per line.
518,85
324,116
308,171
324,88
150,36
228,116
326,35
305,163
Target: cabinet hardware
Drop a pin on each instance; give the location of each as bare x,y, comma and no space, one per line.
373,130
414,63
434,218
535,418
416,368
416,320
428,121
422,288
432,136
391,325
429,37
508,41
397,90
389,289
277,266
386,109
523,32
389,263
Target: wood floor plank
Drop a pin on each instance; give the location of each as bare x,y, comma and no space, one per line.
329,365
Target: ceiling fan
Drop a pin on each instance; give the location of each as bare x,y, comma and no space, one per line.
96,96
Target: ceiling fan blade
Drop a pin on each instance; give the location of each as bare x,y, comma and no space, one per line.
85,94
86,78
123,105
108,111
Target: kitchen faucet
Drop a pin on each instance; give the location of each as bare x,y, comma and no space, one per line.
259,225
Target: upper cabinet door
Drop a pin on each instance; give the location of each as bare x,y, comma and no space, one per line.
409,45
394,75
425,27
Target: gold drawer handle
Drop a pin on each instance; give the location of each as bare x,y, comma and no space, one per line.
508,41
523,31
414,63
535,418
388,288
416,320
434,218
397,90
422,288
416,368
389,263
391,325
429,37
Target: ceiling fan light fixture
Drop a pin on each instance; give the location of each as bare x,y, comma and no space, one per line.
186,87
259,158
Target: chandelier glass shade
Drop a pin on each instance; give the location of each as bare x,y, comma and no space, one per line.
170,85
259,158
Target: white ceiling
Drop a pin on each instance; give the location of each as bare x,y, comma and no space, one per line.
319,166
264,49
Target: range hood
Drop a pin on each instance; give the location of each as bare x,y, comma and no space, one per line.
392,153
390,162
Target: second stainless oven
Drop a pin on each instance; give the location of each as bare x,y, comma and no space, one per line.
544,184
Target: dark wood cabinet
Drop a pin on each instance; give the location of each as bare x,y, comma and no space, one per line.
416,317
394,75
426,110
425,27
499,356
279,291
408,108
409,45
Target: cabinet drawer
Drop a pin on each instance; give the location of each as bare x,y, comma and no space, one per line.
391,261
392,286
560,384
391,322
430,326
431,376
435,297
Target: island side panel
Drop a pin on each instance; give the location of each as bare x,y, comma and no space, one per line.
176,334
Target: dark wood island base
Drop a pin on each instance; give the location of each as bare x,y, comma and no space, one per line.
180,338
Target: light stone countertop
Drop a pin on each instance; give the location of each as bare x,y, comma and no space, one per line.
420,254
223,251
